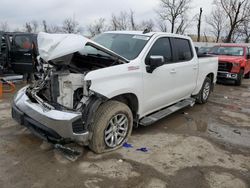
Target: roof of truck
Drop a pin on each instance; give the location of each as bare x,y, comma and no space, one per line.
149,34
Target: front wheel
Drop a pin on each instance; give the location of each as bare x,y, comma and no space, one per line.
205,91
239,78
111,127
247,76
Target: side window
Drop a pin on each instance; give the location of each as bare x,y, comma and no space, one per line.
22,42
183,49
161,47
3,44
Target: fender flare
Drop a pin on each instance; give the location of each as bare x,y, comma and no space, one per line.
89,109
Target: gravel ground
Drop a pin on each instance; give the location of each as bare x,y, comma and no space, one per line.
204,146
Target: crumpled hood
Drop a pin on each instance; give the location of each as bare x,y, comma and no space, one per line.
233,59
53,46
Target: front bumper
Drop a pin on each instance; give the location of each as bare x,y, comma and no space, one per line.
227,75
51,125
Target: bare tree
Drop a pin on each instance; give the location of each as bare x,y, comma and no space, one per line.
97,27
182,25
120,22
4,26
205,37
54,29
50,28
124,21
199,26
45,26
147,24
31,27
237,12
162,25
245,30
132,20
70,25
35,26
28,27
216,22
173,11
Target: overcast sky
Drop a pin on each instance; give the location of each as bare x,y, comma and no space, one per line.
17,12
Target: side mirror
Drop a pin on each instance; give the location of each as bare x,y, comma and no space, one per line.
248,56
153,62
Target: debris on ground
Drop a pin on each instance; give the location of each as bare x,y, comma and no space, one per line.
126,145
69,153
143,150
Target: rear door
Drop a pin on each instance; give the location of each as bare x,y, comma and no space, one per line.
185,69
21,53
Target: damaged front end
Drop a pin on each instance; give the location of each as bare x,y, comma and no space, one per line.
60,106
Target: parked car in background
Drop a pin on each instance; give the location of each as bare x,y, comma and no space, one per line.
204,50
18,52
234,62
94,92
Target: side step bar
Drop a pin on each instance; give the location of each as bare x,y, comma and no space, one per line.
166,111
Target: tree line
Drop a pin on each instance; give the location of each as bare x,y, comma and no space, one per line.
227,22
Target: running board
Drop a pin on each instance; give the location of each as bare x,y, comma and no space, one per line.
166,111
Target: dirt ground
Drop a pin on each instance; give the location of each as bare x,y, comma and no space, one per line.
204,146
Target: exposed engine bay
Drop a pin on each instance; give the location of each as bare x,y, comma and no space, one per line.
62,85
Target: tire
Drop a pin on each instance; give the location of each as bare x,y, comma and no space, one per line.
205,91
239,78
247,76
107,133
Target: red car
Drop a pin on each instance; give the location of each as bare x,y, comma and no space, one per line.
234,62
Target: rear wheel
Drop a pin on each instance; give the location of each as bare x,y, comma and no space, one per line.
205,91
111,127
239,78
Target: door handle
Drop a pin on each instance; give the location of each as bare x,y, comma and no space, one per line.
195,67
27,54
173,71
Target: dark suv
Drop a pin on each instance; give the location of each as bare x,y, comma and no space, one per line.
18,52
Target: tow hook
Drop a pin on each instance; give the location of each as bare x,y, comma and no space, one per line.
69,153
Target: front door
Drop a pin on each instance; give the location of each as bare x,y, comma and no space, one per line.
3,53
159,85
21,53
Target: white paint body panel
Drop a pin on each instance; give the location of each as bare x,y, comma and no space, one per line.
159,89
167,85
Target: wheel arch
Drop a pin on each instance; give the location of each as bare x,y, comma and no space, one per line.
131,100
211,77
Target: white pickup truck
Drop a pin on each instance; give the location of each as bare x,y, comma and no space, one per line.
94,92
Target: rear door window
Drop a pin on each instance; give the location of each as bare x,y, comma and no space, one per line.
182,49
161,47
22,42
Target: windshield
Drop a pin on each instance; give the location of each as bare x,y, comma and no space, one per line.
227,50
126,45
